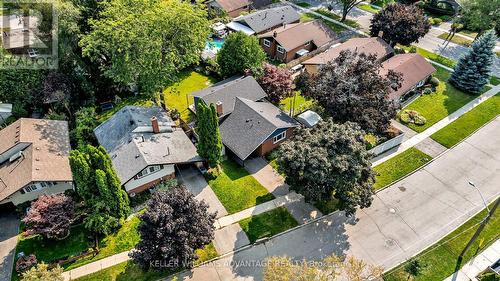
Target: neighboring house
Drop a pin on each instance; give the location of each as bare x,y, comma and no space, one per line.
255,128
291,41
415,69
34,160
19,34
233,8
373,45
5,112
144,145
264,20
224,93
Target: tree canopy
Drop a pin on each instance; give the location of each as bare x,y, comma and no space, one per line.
400,24
276,81
146,42
41,272
209,139
480,15
350,88
239,53
329,161
107,203
174,225
473,70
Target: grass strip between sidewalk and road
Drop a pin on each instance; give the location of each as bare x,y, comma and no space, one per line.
368,8
268,224
440,260
432,56
468,123
456,39
399,166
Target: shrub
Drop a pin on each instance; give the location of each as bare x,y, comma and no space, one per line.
175,114
404,117
437,21
413,49
412,116
419,120
371,141
434,81
427,91
25,262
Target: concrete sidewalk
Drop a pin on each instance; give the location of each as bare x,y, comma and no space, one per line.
96,266
413,141
477,264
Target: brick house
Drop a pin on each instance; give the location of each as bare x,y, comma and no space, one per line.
145,145
264,20
291,41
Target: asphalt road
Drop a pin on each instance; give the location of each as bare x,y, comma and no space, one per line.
403,220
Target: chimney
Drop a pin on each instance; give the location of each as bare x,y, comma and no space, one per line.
154,124
380,34
275,34
218,106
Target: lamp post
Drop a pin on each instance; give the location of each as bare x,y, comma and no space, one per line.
480,194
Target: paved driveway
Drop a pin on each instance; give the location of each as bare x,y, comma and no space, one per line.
9,228
403,220
267,176
197,184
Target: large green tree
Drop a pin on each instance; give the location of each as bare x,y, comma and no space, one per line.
146,42
329,161
480,15
209,138
473,70
239,53
106,202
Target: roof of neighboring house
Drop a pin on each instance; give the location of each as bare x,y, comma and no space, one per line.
269,18
129,139
295,35
414,68
250,124
44,158
227,90
232,5
373,45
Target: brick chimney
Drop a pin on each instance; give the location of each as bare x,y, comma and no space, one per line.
218,106
154,124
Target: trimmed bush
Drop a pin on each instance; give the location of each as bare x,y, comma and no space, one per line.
412,117
25,262
434,81
427,91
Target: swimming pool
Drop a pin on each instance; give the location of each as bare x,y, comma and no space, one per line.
214,44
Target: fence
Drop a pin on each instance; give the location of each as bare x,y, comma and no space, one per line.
379,149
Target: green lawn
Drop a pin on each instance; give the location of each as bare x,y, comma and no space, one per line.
399,166
140,100
494,80
267,224
368,8
303,4
336,17
128,271
327,207
382,3
237,189
457,39
440,259
301,104
432,56
333,26
439,104
177,96
468,123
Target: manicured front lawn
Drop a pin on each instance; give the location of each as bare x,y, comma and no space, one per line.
494,80
439,104
457,39
336,17
268,224
333,26
399,166
296,104
177,96
128,271
440,260
468,123
432,56
368,8
303,4
237,189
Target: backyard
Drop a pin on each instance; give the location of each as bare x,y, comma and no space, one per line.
296,104
439,104
236,188
267,224
399,166
440,260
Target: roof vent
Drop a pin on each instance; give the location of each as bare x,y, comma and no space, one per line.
16,156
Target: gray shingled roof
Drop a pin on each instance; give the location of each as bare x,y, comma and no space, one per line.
129,140
250,124
269,18
227,90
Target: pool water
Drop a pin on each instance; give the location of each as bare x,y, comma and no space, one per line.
214,44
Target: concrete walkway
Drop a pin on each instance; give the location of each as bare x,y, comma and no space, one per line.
96,266
9,228
413,141
477,264
427,146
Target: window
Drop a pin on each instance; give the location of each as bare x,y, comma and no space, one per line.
147,171
420,83
267,43
279,137
280,49
36,186
307,44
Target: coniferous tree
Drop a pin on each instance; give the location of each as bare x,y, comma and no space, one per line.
107,204
473,70
210,142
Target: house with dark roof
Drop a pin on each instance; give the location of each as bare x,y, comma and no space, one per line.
34,160
290,41
233,8
254,128
264,20
144,145
223,94
374,45
416,70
